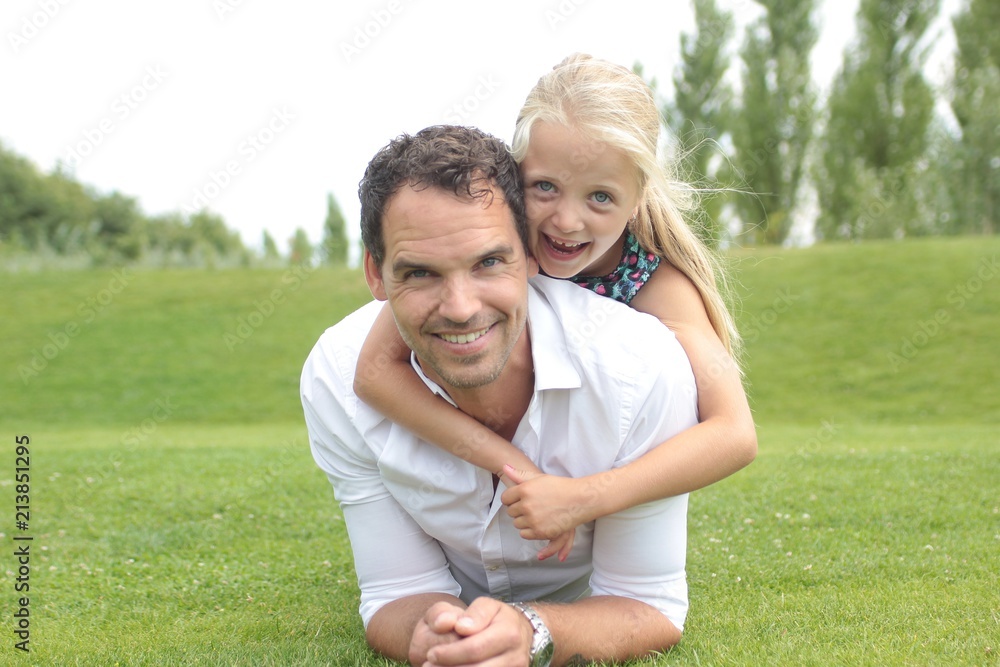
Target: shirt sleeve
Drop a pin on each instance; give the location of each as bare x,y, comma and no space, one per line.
393,557
640,553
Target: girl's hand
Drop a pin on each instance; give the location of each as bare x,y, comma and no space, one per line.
545,507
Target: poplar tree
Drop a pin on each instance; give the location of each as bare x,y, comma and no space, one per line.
270,248
774,124
974,93
879,113
334,245
698,114
300,248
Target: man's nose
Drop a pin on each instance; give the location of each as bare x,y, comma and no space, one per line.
459,300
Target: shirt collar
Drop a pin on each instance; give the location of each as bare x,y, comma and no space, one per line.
555,368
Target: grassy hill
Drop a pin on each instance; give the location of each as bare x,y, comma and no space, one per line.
902,333
873,333
224,347
177,516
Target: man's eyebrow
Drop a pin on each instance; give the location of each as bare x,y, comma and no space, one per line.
503,250
403,264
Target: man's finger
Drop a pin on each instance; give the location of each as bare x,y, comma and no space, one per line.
508,635
441,617
479,614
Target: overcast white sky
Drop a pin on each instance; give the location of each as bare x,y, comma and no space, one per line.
259,109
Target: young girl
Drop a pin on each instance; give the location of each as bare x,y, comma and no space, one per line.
604,213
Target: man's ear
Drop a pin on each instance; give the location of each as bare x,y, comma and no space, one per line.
373,274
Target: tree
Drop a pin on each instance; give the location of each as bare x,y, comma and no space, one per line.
879,114
774,123
54,213
271,254
63,213
19,184
698,112
334,247
119,222
301,250
212,238
975,90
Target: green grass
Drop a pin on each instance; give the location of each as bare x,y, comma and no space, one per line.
178,517
840,331
186,336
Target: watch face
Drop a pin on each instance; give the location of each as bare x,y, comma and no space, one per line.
544,657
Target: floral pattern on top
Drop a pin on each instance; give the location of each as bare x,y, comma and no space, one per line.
634,270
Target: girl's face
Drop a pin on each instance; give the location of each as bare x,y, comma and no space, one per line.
579,195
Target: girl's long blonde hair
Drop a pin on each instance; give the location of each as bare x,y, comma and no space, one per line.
615,107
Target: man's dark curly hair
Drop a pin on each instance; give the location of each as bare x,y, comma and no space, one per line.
462,160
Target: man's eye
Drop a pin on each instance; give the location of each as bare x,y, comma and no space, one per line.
602,197
491,262
417,273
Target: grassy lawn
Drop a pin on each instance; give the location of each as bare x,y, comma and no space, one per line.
178,517
220,545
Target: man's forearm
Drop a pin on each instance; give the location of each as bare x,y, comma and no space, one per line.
391,629
606,628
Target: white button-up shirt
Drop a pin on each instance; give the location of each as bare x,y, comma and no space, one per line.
610,384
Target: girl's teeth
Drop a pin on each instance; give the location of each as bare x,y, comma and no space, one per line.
463,338
568,246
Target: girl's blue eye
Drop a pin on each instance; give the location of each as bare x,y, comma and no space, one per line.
545,186
602,197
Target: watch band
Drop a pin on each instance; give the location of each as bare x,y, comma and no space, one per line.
542,646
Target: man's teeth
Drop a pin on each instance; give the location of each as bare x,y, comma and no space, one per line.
464,338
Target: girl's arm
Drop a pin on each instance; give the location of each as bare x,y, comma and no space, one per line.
722,443
385,381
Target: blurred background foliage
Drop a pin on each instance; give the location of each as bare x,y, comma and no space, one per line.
885,154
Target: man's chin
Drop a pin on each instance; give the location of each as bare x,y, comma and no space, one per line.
467,373
474,380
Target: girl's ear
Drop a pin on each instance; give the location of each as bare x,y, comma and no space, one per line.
635,214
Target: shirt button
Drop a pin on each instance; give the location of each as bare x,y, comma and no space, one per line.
493,568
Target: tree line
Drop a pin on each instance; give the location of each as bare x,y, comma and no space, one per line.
875,159
54,215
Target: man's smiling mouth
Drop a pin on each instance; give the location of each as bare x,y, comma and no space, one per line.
464,338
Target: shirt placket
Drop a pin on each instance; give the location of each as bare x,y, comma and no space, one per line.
497,579
502,544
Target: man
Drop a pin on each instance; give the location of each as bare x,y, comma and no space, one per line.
580,383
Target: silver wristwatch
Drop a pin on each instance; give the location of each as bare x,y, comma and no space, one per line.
542,647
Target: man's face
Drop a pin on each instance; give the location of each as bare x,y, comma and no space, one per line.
456,277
